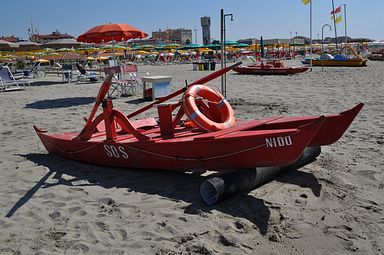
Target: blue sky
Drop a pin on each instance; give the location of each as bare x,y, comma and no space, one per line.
252,18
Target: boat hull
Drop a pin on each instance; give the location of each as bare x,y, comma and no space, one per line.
340,63
259,70
269,142
189,150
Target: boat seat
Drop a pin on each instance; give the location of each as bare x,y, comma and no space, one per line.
167,123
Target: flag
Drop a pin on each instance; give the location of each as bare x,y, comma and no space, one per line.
337,10
337,19
306,1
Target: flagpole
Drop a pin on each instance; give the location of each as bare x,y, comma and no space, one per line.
345,23
310,34
334,21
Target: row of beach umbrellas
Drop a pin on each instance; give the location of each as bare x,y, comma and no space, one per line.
103,35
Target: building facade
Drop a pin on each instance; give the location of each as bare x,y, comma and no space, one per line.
180,36
38,38
206,28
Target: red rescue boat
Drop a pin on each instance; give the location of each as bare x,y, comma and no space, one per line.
209,137
274,67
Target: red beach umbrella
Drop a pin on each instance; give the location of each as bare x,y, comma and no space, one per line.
109,32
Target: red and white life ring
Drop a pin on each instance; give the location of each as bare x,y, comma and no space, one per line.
222,108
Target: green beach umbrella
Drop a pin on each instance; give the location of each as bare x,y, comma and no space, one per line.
231,43
193,46
241,45
213,46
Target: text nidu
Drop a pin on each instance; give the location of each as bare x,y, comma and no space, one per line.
113,151
278,141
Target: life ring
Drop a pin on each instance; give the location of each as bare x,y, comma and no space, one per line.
224,111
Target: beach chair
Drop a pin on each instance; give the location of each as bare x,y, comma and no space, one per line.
8,81
35,72
115,86
66,72
129,82
251,59
84,75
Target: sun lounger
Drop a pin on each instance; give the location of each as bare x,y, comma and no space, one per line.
66,72
36,71
8,81
84,75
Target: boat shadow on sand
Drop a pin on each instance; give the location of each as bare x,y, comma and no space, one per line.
60,103
172,185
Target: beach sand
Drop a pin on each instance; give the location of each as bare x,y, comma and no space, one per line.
49,205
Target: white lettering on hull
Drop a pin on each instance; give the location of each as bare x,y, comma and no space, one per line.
280,141
113,151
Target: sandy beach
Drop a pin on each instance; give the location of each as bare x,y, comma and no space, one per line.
50,205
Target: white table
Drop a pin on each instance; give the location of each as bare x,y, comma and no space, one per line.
160,85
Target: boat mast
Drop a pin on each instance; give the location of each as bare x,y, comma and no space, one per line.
334,21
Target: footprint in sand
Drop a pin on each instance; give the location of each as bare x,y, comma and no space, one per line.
80,248
301,200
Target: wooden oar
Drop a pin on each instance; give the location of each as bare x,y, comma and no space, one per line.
180,91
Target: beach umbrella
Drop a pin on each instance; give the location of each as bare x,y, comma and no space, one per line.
62,43
241,45
213,46
160,47
28,46
110,46
42,60
193,46
143,47
5,45
111,32
172,46
102,58
230,43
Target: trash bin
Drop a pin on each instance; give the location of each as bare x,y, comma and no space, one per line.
206,66
213,65
148,94
201,67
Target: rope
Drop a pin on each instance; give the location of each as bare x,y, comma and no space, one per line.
159,154
197,159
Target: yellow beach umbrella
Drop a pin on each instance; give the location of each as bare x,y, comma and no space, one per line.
42,60
102,58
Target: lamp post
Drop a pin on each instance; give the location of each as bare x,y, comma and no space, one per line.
290,44
294,46
223,60
322,44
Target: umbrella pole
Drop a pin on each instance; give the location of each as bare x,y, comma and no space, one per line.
113,52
